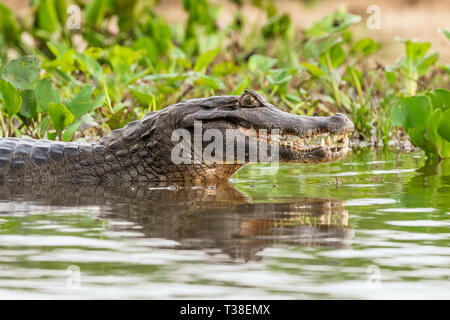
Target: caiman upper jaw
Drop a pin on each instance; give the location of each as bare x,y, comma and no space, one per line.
314,140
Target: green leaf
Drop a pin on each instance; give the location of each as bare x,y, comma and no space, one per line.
47,16
210,82
81,103
23,71
446,32
224,69
258,63
9,26
337,56
241,86
90,66
45,94
151,50
60,115
279,77
350,71
315,47
205,59
415,50
444,126
276,26
425,62
315,71
440,98
433,142
417,137
143,93
11,97
70,131
412,112
29,105
332,23
95,12
366,46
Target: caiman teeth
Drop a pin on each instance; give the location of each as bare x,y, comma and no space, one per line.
328,141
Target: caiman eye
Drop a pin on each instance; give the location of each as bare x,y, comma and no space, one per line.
247,100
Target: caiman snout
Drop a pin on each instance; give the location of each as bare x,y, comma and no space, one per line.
339,123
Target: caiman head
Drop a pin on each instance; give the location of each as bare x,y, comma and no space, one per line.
171,151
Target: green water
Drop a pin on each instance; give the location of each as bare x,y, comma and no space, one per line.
375,225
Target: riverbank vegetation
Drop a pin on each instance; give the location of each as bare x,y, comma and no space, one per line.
77,72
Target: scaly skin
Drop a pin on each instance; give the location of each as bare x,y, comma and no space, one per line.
141,151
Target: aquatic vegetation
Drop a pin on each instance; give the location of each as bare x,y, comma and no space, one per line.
427,120
124,60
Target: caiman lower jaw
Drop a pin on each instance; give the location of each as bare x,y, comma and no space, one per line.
323,147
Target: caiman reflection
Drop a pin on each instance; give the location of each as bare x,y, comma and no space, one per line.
202,216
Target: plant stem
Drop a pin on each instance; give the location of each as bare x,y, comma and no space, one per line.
3,123
108,100
358,87
333,83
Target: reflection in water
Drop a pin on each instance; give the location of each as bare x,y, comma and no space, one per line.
201,216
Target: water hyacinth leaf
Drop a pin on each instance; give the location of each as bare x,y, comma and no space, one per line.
444,125
81,103
60,115
412,112
440,98
415,50
11,98
23,71
258,63
205,59
417,137
29,106
45,94
433,140
366,46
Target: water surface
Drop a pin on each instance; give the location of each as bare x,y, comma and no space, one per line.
375,225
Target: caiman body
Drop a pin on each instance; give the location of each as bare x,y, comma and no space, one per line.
142,150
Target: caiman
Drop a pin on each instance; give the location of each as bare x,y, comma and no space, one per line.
142,150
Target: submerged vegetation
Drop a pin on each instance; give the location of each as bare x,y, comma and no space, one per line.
68,82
